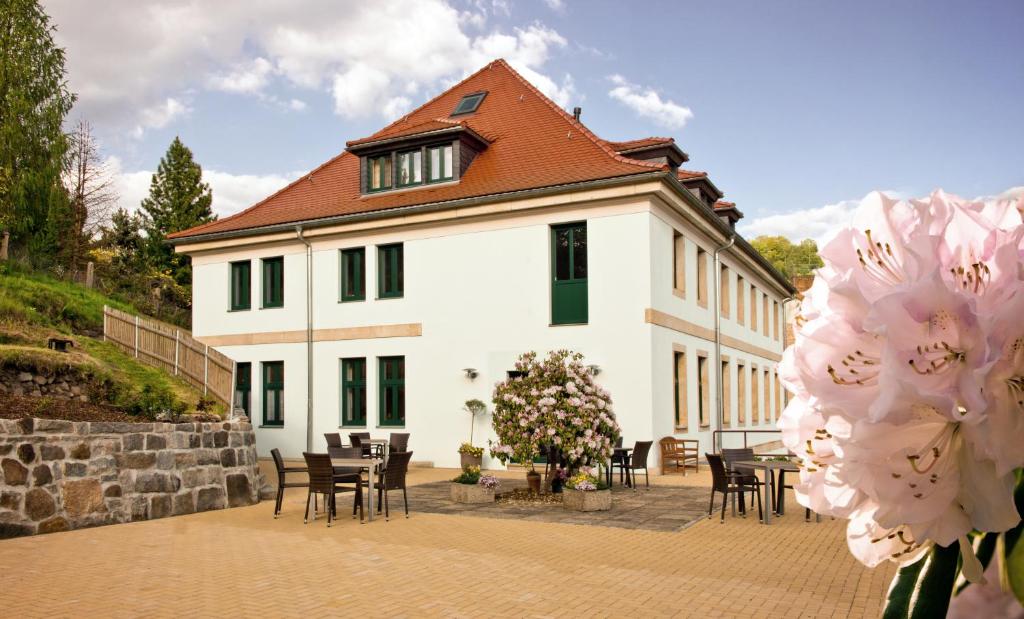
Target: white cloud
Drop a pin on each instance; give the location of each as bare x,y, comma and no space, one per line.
160,115
231,192
142,54
647,103
557,6
297,105
823,222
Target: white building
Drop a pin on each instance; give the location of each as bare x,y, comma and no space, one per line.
484,224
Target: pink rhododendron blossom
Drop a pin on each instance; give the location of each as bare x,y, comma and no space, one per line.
908,376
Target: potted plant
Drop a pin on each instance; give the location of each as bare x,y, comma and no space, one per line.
558,480
552,407
470,455
586,493
472,487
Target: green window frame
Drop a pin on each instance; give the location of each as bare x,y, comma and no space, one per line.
391,387
273,393
379,176
410,168
241,286
439,163
390,271
569,274
243,387
353,392
273,282
353,274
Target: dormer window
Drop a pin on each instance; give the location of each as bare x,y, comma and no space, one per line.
378,173
469,103
410,168
439,163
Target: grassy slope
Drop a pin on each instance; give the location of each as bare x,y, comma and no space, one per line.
34,307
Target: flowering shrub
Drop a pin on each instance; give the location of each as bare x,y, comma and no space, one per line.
489,481
470,475
555,403
470,450
908,372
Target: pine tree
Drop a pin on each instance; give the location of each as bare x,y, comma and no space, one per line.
178,200
34,99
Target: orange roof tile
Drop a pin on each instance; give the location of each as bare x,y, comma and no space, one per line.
685,175
724,204
534,144
628,145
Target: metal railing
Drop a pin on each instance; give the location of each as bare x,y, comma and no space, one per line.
766,447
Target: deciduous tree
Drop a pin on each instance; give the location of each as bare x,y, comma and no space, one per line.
789,258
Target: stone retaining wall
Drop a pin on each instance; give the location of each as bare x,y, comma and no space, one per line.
60,475
68,385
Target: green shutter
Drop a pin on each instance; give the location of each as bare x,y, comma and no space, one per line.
569,274
390,271
273,282
353,392
273,393
391,382
353,274
241,285
243,387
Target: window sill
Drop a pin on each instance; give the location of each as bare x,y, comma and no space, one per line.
420,187
388,298
267,307
239,309
362,427
682,429
390,427
568,324
279,426
352,300
679,293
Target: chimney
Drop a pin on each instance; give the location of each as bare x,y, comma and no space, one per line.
576,112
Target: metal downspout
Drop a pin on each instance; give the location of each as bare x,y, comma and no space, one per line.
309,338
716,308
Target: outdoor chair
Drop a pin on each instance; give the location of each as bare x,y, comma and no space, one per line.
394,479
731,456
780,497
322,480
634,462
333,439
282,470
618,459
398,441
679,453
356,439
729,482
348,474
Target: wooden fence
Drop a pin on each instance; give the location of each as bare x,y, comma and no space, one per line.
173,350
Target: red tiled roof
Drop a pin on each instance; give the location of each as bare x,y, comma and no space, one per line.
724,204
685,175
629,145
431,125
534,144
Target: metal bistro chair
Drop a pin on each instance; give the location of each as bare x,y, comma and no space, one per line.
283,470
635,461
333,439
322,480
349,474
356,439
394,479
728,482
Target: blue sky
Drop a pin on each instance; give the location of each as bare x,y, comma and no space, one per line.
796,109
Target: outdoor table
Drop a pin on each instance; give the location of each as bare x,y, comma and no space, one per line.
373,465
380,443
769,467
620,452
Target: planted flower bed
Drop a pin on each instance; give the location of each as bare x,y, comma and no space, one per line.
472,487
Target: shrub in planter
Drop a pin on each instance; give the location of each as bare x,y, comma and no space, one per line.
472,487
470,455
585,493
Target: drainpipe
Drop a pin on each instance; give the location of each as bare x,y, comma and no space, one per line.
309,338
717,310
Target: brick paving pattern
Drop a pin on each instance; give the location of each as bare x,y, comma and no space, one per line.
242,562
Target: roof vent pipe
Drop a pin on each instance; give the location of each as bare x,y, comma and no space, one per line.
576,112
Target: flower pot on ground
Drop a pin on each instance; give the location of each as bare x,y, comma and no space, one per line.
533,480
472,487
470,456
586,494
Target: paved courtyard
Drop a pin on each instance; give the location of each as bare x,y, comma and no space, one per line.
242,562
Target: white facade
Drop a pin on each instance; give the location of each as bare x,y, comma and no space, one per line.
477,293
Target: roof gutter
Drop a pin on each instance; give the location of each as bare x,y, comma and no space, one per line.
614,181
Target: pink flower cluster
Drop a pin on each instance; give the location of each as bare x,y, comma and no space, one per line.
555,402
908,372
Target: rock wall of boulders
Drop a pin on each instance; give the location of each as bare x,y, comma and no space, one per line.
67,385
61,475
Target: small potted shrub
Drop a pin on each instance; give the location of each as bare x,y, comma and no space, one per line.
558,480
586,493
472,487
471,456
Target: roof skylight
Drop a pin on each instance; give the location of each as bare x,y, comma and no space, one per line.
469,103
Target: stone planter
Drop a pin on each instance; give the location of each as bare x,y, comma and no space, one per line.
587,501
469,460
471,493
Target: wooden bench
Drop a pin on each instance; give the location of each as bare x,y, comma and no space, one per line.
679,453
